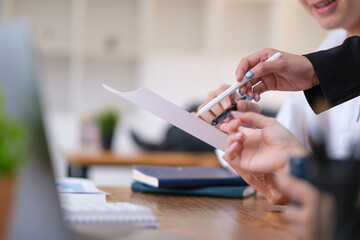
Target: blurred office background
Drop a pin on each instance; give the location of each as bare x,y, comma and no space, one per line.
180,49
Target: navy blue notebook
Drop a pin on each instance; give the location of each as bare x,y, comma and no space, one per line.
185,177
212,191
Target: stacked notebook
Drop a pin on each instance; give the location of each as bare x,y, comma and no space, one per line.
200,181
82,202
79,189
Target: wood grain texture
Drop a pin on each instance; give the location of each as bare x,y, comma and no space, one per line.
209,218
88,158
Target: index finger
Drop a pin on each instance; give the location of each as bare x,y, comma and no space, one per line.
250,61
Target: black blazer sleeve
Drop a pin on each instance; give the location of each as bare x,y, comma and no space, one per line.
338,70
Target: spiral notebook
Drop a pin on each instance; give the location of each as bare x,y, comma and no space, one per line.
83,202
111,212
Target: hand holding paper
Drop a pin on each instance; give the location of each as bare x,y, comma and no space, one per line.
175,115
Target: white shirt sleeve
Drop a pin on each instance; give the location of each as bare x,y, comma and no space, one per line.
293,116
223,163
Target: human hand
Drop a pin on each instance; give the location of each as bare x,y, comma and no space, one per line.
255,154
264,183
287,73
263,149
313,217
224,104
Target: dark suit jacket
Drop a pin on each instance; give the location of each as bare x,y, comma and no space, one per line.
338,70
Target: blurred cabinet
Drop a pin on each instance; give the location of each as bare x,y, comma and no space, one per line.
90,41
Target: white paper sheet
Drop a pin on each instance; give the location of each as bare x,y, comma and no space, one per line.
175,115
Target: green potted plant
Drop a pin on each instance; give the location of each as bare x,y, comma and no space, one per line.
107,120
12,155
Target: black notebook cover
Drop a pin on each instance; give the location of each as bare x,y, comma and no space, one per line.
211,191
185,177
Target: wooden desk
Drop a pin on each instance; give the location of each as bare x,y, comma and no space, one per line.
188,217
82,160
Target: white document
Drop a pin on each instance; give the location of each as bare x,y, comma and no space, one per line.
175,115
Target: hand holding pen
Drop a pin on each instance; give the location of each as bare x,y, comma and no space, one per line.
227,103
230,90
227,112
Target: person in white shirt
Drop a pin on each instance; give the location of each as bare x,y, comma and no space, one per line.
340,125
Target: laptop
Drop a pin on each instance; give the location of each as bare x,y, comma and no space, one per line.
36,212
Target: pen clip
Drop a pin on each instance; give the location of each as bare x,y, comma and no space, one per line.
240,98
226,113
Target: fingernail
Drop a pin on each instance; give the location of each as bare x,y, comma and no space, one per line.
256,100
236,113
248,97
249,74
238,135
233,145
239,92
234,122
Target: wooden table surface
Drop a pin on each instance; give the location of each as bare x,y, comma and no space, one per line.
193,217
80,161
89,158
